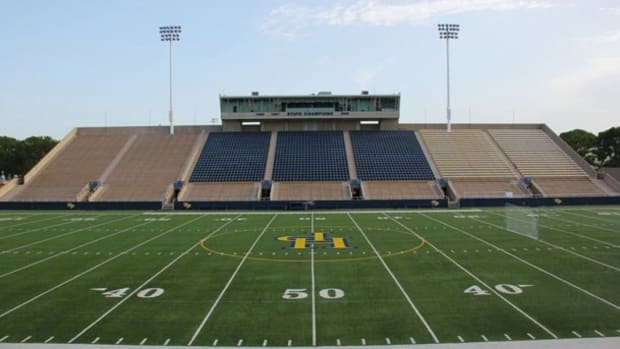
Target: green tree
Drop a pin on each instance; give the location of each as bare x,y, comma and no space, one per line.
609,147
583,142
18,157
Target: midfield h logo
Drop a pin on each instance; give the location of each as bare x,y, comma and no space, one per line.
317,239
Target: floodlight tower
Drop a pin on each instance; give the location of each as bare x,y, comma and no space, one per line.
170,34
448,31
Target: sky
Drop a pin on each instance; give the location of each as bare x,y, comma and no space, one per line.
65,64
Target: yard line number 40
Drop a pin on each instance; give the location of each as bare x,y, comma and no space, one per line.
301,293
502,288
122,292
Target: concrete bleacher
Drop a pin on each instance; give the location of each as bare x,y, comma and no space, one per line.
220,191
82,160
386,190
148,169
310,190
535,154
489,187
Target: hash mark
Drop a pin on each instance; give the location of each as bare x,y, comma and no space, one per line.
265,343
530,335
49,339
576,334
290,342
363,341
461,339
240,342
412,340
95,340
26,339
507,336
143,341
338,341
215,342
387,340
599,333
119,340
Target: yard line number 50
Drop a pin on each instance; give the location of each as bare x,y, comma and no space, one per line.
301,293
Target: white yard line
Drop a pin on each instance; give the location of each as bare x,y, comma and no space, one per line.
232,277
139,288
400,287
29,222
576,334
61,235
70,250
566,282
587,225
77,276
555,246
34,230
313,296
472,275
596,218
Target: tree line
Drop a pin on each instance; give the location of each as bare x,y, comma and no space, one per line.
602,150
17,157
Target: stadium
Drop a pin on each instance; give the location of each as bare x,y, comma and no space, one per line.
311,220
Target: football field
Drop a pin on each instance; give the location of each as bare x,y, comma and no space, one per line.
309,278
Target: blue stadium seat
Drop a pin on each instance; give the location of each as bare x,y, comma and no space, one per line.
232,157
389,155
310,156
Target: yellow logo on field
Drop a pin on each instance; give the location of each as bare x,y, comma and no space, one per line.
318,239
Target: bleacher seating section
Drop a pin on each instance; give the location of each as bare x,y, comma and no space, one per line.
466,153
312,190
220,191
389,155
535,154
310,156
386,190
232,156
148,169
83,160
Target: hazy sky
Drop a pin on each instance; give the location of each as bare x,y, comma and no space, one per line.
89,63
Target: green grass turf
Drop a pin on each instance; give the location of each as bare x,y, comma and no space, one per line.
402,278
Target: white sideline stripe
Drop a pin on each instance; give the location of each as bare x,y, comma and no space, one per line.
576,334
139,288
214,343
484,338
491,289
71,250
61,235
26,339
461,339
119,340
75,277
567,232
566,282
530,335
49,339
507,336
167,341
95,340
3,338
412,340
219,297
599,333
264,343
555,246
313,282
415,309
248,213
143,341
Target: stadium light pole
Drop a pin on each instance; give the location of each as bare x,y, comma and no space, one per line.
448,31
170,33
